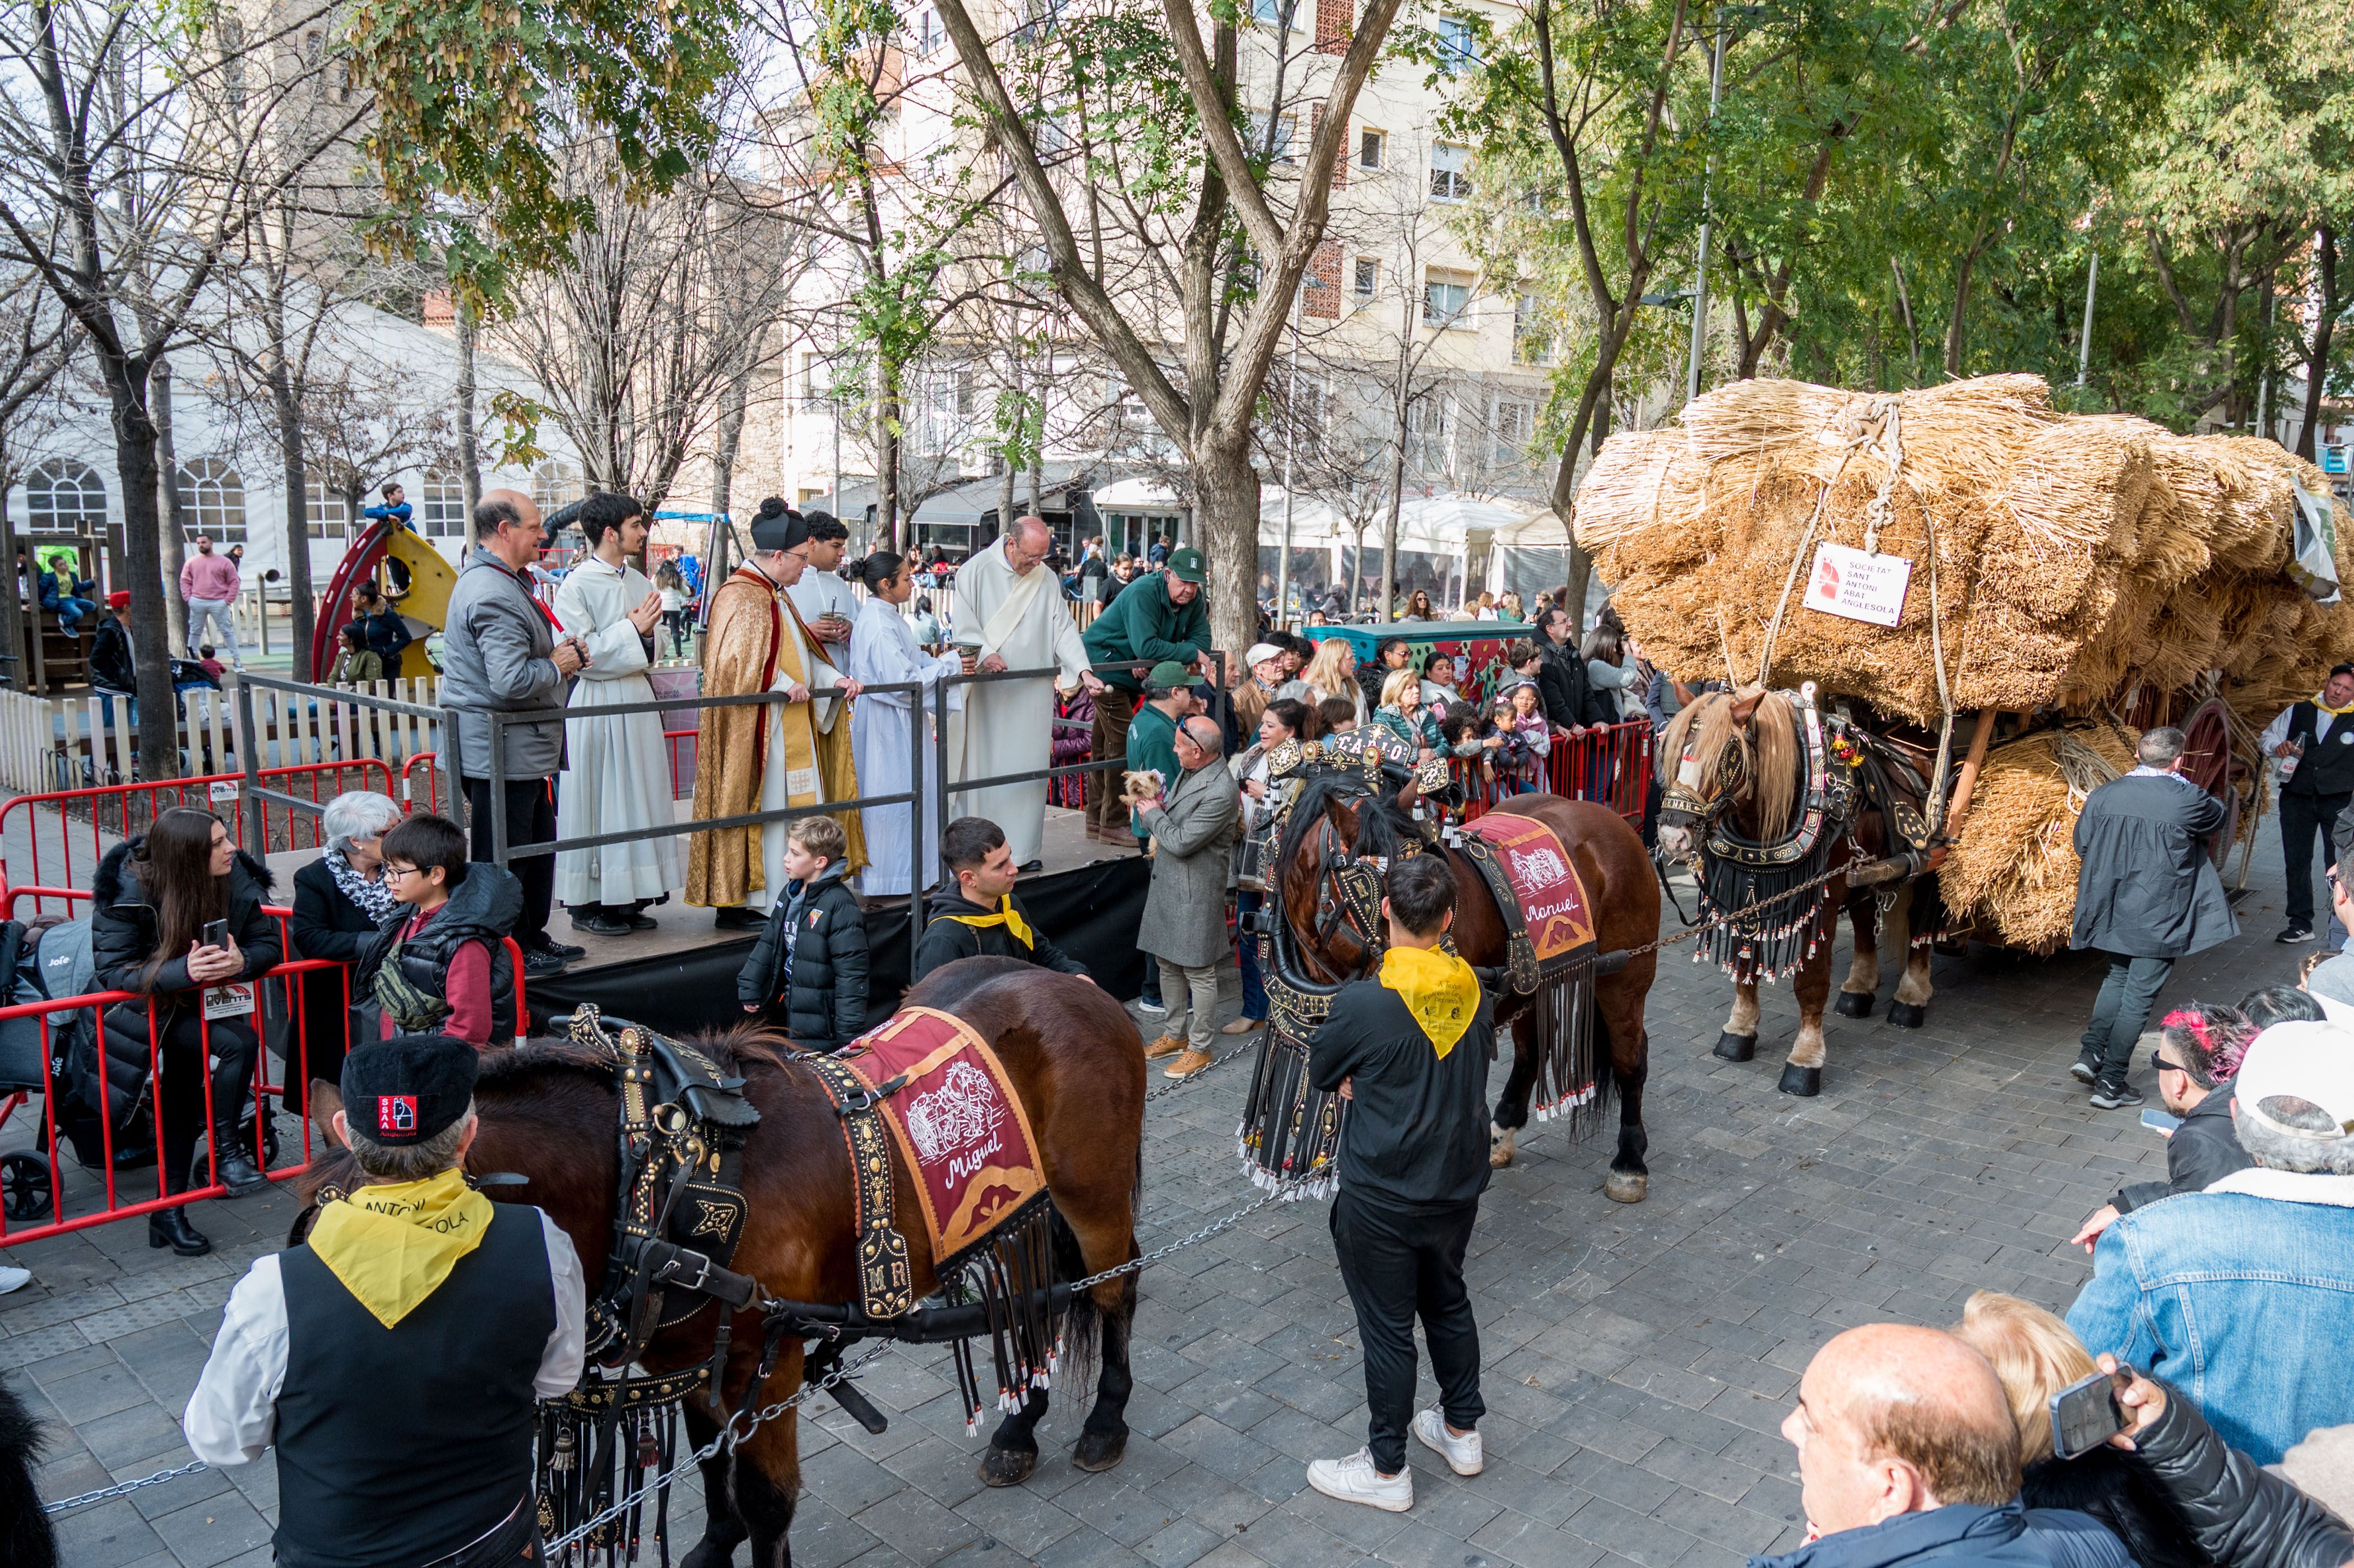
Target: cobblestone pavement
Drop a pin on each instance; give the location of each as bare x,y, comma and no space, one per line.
1638,1360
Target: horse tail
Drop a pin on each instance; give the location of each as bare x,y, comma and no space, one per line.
25,1537
1083,1329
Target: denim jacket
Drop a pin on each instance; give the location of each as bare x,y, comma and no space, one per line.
1966,1535
2239,1301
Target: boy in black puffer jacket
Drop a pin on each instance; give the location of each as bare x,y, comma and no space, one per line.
441,965
808,970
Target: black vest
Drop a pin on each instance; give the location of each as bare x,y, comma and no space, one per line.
2326,765
398,1445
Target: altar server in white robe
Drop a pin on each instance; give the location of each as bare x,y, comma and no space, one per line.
828,607
884,652
618,777
1011,606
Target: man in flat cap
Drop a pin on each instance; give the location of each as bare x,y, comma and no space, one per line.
395,1359
765,757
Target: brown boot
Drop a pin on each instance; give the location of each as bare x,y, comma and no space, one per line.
1167,1046
1185,1066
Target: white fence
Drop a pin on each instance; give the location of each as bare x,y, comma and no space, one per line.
72,743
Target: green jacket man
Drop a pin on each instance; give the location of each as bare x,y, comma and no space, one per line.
1156,618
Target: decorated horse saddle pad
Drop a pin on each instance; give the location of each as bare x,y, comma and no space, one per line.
1543,882
956,1121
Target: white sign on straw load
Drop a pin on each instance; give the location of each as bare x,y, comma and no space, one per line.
1847,582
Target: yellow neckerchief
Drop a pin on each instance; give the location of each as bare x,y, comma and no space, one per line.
1004,916
1437,988
393,1246
2335,713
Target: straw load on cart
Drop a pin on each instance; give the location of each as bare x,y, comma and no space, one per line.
1969,548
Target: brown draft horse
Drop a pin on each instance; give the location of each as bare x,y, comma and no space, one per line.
1623,896
549,1111
1741,753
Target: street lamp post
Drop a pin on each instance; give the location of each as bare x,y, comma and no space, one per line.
1707,217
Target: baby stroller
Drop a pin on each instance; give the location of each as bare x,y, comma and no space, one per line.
47,964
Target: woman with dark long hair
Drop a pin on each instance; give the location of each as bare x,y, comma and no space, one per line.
178,914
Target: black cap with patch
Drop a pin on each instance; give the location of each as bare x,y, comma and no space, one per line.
406,1089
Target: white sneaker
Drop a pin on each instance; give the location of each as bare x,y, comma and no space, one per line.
1151,1009
12,1277
1463,1455
1354,1479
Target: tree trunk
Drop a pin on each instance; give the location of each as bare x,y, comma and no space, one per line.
173,551
469,457
1581,565
16,668
302,614
1226,526
2325,327
134,468
731,435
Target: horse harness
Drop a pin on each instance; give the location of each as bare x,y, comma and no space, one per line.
1844,770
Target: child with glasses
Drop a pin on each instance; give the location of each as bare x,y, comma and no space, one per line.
441,965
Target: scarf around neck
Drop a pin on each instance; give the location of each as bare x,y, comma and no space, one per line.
393,1246
1437,988
1005,917
373,899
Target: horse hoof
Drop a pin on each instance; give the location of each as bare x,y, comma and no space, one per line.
1100,1451
1500,1149
1627,1186
1736,1047
1854,1004
1907,1015
708,1554
1007,1466
1804,1082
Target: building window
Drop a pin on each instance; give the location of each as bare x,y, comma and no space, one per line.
1368,279
63,497
212,494
443,501
1450,172
1269,12
1373,149
324,513
1515,422
1286,127
1458,45
555,483
1446,297
928,33
1532,338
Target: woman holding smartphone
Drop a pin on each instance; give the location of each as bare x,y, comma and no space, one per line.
178,917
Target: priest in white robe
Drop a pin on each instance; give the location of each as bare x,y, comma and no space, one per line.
1011,606
618,779
884,652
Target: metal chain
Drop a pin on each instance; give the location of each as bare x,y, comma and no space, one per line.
1713,921
1275,1194
729,1437
123,1489
1171,1087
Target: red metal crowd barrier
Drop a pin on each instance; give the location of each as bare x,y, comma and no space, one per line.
32,1180
127,810
1612,766
432,782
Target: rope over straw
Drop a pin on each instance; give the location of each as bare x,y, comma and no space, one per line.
2081,560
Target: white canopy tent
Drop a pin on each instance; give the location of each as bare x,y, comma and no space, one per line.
1441,538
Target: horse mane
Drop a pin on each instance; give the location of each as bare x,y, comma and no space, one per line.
1764,754
1383,825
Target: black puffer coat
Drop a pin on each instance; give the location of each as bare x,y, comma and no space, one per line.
2116,1489
2203,1150
482,908
823,1005
2241,1513
122,938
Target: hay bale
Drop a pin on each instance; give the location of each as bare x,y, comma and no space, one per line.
2013,872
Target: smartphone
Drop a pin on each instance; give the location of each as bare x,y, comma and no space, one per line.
2084,1415
216,933
2160,1121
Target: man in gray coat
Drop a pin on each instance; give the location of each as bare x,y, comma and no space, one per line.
501,653
2147,893
1184,924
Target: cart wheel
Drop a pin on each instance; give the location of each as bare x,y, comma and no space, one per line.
25,1192
2207,734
